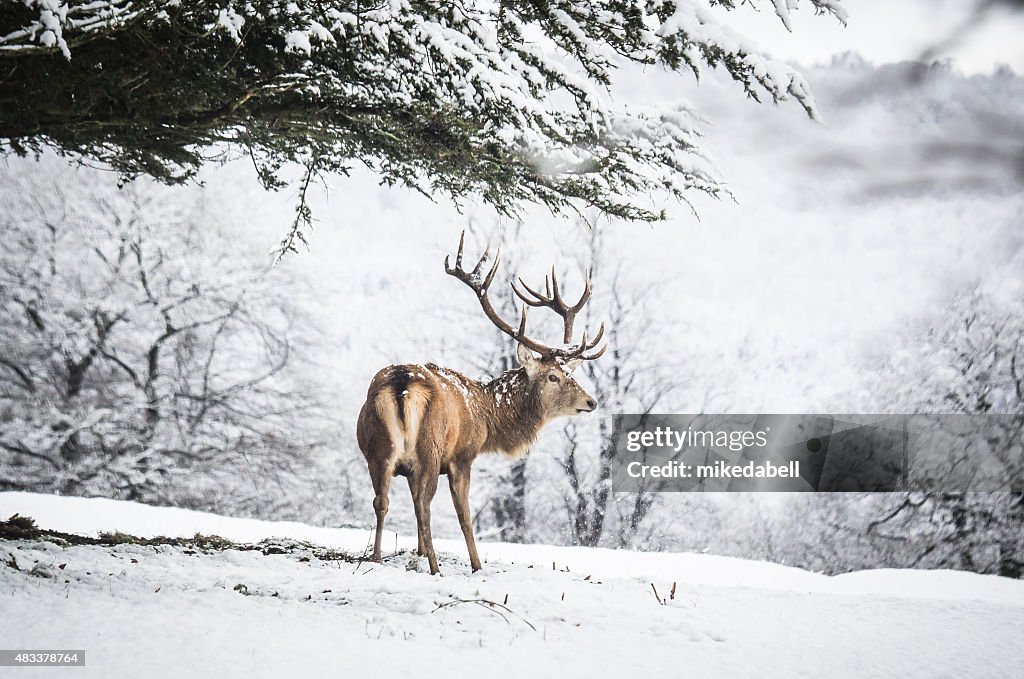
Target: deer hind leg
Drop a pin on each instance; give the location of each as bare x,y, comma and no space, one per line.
458,482
425,485
380,474
421,549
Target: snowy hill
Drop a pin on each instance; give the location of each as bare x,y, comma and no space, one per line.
171,610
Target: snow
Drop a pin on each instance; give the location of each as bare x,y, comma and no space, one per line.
297,41
162,611
232,22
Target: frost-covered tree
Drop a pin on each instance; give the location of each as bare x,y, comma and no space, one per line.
970,360
967,360
627,379
506,100
138,360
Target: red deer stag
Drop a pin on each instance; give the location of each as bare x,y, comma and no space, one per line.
422,421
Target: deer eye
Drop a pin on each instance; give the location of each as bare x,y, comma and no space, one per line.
552,378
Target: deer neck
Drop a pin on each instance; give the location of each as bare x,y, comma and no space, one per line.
515,413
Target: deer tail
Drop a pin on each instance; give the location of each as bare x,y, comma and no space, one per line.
402,412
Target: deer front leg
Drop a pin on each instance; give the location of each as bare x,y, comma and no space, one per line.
458,482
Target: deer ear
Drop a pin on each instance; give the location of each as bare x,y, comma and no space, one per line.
572,364
527,359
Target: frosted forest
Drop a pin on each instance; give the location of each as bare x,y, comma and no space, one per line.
176,334
220,219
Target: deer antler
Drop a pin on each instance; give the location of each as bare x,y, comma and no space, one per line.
552,299
479,282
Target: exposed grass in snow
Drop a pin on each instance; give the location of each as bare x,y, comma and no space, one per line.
24,528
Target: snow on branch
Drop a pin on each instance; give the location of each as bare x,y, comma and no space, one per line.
52,17
510,101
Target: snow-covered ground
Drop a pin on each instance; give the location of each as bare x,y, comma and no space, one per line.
558,611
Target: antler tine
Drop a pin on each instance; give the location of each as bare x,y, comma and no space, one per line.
485,280
579,351
458,257
494,268
597,339
592,357
538,299
585,297
556,294
552,296
480,264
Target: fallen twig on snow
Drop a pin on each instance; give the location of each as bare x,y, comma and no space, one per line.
489,605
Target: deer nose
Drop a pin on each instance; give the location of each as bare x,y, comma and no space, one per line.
592,403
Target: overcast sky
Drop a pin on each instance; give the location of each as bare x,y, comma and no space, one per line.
893,30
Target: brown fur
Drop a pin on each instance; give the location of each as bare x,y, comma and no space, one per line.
423,421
